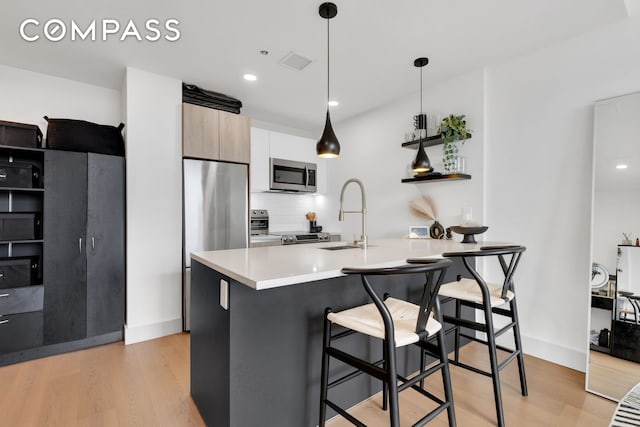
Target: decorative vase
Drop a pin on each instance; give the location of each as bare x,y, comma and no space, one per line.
450,157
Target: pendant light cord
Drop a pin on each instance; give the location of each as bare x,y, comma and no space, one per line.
328,64
421,89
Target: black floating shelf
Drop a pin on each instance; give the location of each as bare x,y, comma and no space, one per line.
28,190
14,147
448,177
427,142
6,242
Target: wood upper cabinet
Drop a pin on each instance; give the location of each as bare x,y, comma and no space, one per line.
200,137
235,139
214,134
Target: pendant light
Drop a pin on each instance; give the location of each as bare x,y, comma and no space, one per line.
328,145
421,164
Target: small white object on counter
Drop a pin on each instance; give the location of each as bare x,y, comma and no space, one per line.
275,266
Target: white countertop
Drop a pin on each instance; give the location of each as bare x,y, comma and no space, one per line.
275,266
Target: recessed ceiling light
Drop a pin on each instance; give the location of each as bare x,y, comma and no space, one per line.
621,166
250,77
333,103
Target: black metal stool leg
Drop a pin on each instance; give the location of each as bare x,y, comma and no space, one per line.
457,331
493,360
385,389
446,374
518,342
324,377
422,367
392,375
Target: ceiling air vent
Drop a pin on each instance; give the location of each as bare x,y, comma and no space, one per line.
294,61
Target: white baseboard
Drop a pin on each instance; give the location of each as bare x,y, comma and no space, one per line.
151,331
555,353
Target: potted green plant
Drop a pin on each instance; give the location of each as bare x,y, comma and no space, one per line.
453,128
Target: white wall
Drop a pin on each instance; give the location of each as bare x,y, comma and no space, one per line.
371,151
27,96
154,205
287,211
614,212
538,175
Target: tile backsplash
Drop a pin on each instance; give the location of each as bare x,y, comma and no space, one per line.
287,211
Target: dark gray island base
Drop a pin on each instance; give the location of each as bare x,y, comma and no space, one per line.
258,363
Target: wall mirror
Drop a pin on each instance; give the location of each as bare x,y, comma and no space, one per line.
613,361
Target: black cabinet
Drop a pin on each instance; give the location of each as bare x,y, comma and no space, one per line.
83,245
106,245
21,286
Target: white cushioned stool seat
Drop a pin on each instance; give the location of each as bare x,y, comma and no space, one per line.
366,319
469,290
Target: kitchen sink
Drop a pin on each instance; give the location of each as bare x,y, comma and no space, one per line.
339,248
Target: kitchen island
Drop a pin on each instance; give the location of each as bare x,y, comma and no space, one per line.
256,326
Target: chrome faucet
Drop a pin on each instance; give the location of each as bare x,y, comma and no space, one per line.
363,211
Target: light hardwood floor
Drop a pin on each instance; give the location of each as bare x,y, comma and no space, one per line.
147,384
612,376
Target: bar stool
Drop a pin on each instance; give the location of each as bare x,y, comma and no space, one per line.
634,302
397,323
487,297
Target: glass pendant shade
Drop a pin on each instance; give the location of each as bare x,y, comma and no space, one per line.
328,145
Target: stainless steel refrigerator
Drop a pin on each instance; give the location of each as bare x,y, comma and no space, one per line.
215,213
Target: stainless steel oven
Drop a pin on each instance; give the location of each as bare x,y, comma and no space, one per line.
259,222
290,175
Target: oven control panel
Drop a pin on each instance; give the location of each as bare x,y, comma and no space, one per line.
296,239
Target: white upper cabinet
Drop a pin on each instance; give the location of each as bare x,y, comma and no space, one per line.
282,146
290,147
259,166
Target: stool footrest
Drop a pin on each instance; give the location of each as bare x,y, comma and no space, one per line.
411,382
505,349
504,329
466,323
470,368
344,413
350,375
428,394
431,415
502,312
478,306
367,367
499,347
508,359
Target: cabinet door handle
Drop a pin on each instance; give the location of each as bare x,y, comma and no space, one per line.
2,322
80,244
4,295
93,243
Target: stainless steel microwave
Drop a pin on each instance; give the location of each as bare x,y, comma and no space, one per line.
290,175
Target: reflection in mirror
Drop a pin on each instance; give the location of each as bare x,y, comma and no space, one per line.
614,321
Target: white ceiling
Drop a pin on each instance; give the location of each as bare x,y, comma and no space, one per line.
373,45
